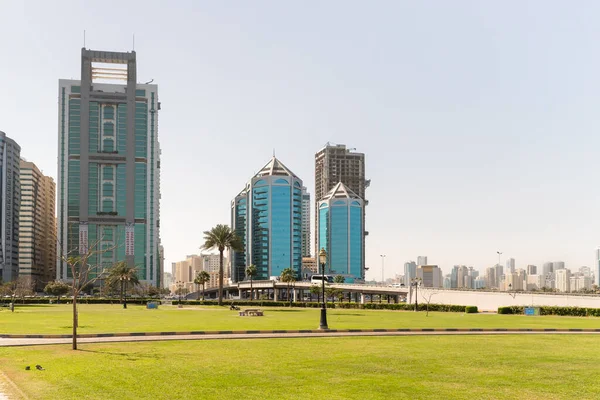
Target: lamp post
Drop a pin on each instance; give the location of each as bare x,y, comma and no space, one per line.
323,261
382,262
124,281
416,282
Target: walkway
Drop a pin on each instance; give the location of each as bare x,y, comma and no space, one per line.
33,340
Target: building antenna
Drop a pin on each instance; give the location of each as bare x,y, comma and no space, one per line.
84,38
134,42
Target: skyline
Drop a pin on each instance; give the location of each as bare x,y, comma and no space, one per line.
479,126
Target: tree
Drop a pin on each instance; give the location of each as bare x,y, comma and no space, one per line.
58,289
201,279
122,274
153,291
339,279
250,272
427,297
333,292
315,289
288,276
222,237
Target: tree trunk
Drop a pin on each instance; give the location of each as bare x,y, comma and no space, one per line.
203,292
251,292
75,322
220,277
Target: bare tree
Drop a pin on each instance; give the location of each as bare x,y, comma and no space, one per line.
427,298
84,274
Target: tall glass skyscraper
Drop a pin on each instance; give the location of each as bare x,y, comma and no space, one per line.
10,201
267,215
341,232
108,166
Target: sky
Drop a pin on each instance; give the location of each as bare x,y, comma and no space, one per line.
478,119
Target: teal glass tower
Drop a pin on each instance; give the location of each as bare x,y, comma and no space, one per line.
341,233
267,215
108,166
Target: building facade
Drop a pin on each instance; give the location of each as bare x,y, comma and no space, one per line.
267,215
430,275
187,270
306,242
341,232
334,164
422,260
410,272
37,226
562,279
108,167
10,186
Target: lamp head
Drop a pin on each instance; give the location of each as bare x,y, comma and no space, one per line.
323,256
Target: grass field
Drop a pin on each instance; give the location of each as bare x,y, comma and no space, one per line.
433,367
52,319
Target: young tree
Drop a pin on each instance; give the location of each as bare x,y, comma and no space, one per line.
201,280
222,237
427,297
288,276
58,289
250,273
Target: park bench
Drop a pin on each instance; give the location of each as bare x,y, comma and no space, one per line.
251,312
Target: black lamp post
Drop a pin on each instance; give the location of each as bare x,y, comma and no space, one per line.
416,282
323,261
124,279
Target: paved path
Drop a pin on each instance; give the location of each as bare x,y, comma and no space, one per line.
33,341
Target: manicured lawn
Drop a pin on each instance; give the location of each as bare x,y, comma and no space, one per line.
417,367
49,319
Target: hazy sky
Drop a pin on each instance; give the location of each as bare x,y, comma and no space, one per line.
479,120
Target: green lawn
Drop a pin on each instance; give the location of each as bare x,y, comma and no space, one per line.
409,367
52,319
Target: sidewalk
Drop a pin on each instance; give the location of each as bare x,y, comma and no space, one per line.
34,340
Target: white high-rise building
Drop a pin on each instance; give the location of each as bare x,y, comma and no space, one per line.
510,265
422,260
562,278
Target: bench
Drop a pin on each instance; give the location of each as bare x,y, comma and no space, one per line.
251,312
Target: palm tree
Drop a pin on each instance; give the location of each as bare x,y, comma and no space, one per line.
123,273
222,237
339,279
288,276
314,289
201,279
250,272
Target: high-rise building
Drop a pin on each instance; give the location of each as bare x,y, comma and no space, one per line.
37,226
562,278
334,164
430,275
597,266
547,268
341,232
306,243
267,215
187,270
10,153
510,265
558,265
410,272
531,270
422,260
108,166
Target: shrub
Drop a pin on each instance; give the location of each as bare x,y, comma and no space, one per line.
471,309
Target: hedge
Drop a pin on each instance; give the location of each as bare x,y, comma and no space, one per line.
471,309
550,310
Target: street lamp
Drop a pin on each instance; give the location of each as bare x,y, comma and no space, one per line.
416,282
382,261
323,261
124,282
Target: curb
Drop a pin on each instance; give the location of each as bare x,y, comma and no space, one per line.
258,332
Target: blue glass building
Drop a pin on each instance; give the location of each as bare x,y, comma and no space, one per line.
267,215
340,232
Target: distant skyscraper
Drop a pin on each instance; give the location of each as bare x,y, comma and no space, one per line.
547,268
531,270
10,196
306,243
422,260
562,278
341,232
334,164
431,276
597,266
37,226
410,272
108,166
510,265
267,215
558,265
